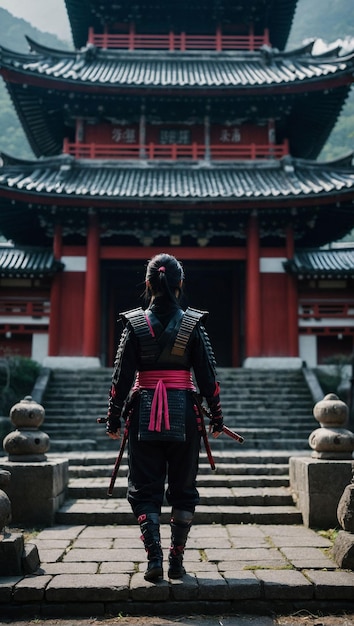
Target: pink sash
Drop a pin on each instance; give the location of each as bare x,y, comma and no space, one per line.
161,380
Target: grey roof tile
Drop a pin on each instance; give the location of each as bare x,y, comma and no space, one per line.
112,180
322,263
122,69
27,262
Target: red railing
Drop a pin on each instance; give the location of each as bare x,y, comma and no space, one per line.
180,42
193,151
319,310
17,306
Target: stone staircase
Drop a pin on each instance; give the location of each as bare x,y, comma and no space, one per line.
271,409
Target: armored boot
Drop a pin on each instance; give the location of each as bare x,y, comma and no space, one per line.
181,522
150,528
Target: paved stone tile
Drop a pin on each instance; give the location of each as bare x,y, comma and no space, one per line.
191,555
112,532
133,543
291,530
250,542
61,532
337,585
204,530
244,530
88,588
117,567
242,585
51,544
300,556
68,568
50,556
208,542
99,556
200,566
244,554
280,563
31,588
303,564
212,586
313,541
90,543
144,591
285,584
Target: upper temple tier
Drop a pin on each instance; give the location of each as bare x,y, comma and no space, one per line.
61,95
244,19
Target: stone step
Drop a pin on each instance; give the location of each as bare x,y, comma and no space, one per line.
248,487
240,458
225,493
250,471
247,432
98,512
213,489
95,444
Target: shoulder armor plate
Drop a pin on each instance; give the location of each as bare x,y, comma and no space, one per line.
148,345
190,319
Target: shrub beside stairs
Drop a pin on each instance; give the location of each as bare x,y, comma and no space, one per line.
271,409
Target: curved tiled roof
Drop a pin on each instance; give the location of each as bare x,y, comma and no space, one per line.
121,70
109,181
65,176
317,197
322,263
27,262
277,15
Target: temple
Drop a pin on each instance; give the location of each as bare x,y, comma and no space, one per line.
187,129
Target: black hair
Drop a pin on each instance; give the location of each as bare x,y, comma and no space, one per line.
164,274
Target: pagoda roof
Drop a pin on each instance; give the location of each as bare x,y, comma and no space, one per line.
117,70
66,79
27,262
276,15
317,263
324,190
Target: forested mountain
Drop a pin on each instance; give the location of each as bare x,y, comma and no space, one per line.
13,33
328,20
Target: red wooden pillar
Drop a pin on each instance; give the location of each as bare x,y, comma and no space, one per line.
253,291
293,338
92,290
55,298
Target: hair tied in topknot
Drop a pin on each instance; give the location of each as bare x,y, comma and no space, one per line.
162,269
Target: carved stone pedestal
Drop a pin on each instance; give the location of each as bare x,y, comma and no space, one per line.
36,490
317,486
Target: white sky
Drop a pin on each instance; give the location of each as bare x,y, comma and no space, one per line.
47,15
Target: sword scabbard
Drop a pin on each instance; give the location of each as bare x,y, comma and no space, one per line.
119,459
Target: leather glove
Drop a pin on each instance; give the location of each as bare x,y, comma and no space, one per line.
217,424
113,424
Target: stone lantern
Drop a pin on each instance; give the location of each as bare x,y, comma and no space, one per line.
332,440
38,484
27,442
317,482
